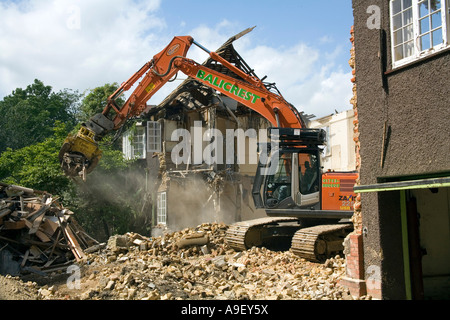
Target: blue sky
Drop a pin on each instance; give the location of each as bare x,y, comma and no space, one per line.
81,44
279,23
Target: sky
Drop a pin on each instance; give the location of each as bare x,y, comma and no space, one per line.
82,44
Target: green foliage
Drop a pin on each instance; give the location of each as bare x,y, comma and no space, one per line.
38,121
28,115
36,166
95,101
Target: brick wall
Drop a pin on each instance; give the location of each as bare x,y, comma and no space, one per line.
354,254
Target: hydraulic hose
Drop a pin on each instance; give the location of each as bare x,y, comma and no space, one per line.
168,69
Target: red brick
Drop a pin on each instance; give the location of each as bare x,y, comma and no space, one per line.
375,293
356,287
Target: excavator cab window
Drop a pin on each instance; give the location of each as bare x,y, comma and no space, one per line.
296,179
278,186
308,173
306,179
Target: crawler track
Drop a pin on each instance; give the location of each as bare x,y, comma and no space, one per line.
246,234
315,243
320,242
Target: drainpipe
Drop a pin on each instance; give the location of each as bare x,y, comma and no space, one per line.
405,246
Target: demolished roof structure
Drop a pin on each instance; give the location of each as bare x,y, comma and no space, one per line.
193,95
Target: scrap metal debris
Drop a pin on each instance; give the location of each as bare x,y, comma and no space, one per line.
37,234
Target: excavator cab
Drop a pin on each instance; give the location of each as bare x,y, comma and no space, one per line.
288,185
295,181
291,177
291,182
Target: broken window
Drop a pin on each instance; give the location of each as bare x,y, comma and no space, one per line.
133,143
418,28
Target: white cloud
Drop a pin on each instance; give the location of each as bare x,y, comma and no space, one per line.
325,39
75,44
286,66
307,77
82,44
210,37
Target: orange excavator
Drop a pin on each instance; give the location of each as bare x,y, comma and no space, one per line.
309,208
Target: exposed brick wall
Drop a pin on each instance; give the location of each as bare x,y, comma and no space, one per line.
356,219
354,255
355,267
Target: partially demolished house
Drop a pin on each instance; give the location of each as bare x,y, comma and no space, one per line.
195,190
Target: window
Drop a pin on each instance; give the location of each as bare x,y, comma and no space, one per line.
418,28
133,143
279,184
308,169
161,217
402,28
153,136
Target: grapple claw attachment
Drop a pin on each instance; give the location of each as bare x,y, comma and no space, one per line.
79,154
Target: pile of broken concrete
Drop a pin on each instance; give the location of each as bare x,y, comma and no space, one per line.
195,263
53,258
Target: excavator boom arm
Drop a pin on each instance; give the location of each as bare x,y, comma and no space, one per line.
271,106
80,153
157,73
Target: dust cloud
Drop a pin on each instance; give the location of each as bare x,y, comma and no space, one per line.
192,201
132,194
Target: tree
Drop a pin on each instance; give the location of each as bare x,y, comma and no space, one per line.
28,115
37,166
95,101
108,200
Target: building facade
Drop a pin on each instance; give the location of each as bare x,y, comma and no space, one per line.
339,152
401,248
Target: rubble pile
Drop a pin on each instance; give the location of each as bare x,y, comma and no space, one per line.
134,267
37,234
46,255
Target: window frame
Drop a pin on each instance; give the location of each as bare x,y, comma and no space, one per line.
418,53
161,206
126,146
139,143
130,147
154,137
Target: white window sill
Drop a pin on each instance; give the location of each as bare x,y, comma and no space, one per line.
422,57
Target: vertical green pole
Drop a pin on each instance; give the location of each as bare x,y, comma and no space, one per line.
406,266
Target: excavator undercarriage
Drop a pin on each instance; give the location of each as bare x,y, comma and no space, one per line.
314,243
